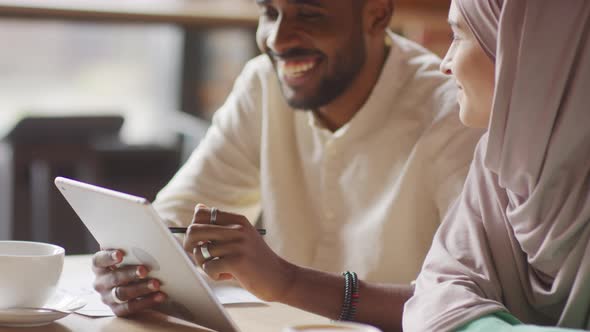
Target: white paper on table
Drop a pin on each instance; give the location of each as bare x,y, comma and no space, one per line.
80,284
231,293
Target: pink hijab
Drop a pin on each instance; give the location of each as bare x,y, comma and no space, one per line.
518,238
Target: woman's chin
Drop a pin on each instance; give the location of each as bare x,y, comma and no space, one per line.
463,114
468,118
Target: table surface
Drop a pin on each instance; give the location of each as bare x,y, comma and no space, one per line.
249,318
180,12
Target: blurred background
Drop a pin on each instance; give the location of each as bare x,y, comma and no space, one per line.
118,92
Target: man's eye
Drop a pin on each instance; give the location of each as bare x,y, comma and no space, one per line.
308,15
269,13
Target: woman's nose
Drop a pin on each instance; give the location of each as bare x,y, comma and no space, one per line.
445,65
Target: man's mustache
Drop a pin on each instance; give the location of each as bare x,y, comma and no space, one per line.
293,53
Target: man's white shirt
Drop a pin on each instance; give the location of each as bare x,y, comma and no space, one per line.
366,198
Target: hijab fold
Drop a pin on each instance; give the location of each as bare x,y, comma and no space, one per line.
518,237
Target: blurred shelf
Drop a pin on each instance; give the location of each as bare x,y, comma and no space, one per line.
180,12
424,21
424,4
425,12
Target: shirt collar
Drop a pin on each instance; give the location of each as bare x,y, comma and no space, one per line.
380,101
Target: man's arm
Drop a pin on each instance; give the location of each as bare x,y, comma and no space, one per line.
224,169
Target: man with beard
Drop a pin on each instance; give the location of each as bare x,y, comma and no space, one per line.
347,138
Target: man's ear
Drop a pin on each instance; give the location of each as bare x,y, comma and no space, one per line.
378,15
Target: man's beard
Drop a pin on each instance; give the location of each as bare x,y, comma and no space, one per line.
347,65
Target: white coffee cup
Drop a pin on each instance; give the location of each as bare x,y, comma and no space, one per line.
332,327
29,273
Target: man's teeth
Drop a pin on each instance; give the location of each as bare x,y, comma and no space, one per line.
297,70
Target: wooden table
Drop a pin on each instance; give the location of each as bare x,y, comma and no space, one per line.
272,317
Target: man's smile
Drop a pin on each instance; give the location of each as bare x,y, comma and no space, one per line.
295,72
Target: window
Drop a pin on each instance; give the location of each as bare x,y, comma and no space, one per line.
53,67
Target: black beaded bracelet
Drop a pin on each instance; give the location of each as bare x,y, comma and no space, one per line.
354,296
347,297
351,296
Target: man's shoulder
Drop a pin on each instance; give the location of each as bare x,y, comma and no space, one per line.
256,77
259,67
418,60
424,86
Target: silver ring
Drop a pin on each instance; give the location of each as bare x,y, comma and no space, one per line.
116,297
213,217
205,252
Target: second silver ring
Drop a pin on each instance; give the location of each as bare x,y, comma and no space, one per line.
116,297
205,252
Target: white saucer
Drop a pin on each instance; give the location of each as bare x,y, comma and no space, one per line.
62,302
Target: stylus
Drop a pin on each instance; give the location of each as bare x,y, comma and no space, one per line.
182,230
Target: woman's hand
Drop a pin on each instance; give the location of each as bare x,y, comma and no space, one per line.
126,290
238,251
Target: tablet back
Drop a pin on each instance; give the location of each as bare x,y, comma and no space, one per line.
122,221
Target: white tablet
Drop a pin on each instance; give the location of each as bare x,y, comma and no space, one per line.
130,223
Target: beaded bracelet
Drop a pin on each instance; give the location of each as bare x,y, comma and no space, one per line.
351,296
347,297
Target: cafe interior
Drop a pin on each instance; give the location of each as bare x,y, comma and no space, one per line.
92,89
118,93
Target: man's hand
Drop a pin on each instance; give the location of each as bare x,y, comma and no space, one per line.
127,290
237,250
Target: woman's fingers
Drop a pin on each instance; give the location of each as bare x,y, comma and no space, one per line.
126,290
228,227
200,233
219,269
203,216
231,246
137,305
104,260
216,250
119,277
130,292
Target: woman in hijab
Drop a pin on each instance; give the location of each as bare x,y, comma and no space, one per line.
515,247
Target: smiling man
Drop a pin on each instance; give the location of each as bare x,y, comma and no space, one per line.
347,138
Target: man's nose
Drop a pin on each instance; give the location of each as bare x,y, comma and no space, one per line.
282,37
